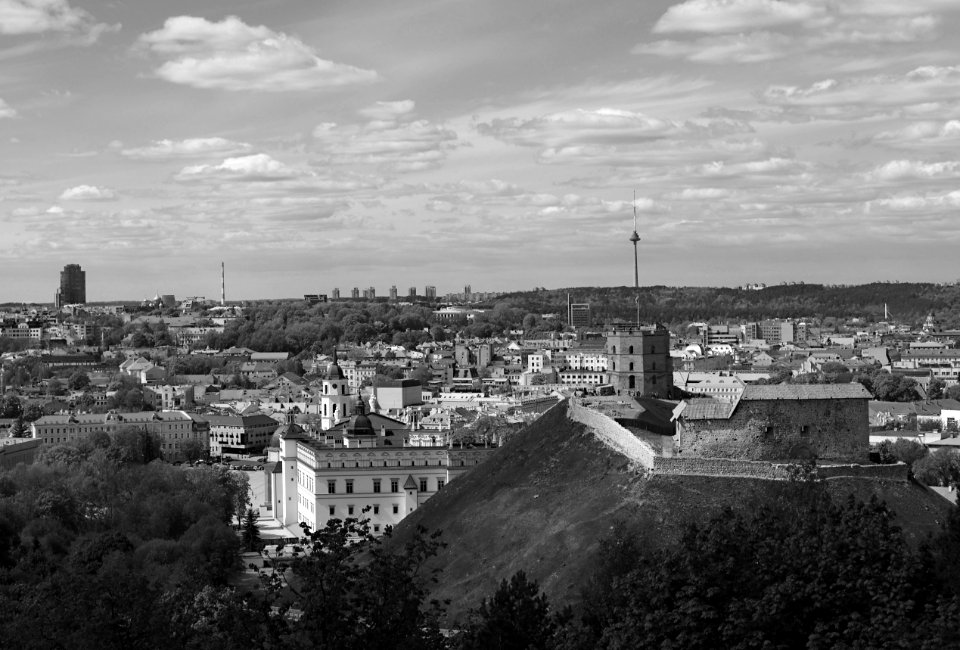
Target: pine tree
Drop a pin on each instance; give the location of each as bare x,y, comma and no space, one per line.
249,531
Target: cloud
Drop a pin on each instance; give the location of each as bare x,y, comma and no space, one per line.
6,110
922,135
699,194
753,47
391,139
256,167
732,16
88,193
231,55
20,17
914,169
927,90
604,133
188,148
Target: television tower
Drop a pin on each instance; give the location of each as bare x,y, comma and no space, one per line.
634,237
223,285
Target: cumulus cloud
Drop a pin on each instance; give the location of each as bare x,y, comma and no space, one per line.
929,90
699,194
726,16
934,201
922,135
914,169
754,31
603,133
256,167
391,139
188,148
231,55
6,110
38,16
88,193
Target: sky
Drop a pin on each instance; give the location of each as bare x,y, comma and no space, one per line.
500,144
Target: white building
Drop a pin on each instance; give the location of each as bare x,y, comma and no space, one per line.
361,469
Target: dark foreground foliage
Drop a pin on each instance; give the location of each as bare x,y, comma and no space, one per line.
97,549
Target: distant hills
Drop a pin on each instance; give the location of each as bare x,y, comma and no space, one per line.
906,302
545,500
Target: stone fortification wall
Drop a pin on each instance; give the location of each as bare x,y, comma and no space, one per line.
781,430
642,454
899,472
721,467
773,471
614,436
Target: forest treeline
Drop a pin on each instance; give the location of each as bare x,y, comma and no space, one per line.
906,302
295,326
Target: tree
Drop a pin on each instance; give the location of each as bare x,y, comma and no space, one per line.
941,468
56,388
438,333
935,388
378,594
19,428
249,532
193,450
10,406
953,392
516,616
32,412
78,381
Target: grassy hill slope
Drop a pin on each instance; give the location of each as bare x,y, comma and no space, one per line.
547,498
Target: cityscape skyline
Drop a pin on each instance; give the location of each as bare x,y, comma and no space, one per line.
766,141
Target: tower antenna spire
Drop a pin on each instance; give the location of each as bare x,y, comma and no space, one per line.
634,237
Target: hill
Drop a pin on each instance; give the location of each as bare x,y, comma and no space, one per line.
907,302
545,500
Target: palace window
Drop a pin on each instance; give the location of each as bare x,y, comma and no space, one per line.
423,485
394,485
349,486
331,487
376,486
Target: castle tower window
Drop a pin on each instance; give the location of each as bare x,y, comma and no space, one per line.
632,382
631,349
631,366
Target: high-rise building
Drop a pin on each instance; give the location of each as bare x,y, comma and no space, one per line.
370,293
430,291
336,293
73,286
413,292
467,293
355,293
579,315
393,292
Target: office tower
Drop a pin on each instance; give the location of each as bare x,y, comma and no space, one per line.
412,293
393,292
336,293
73,286
430,291
355,293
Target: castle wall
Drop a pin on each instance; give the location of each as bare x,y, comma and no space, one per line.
613,435
781,430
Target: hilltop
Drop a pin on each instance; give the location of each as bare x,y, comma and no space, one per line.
906,302
547,498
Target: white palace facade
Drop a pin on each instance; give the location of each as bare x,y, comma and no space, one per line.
366,465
